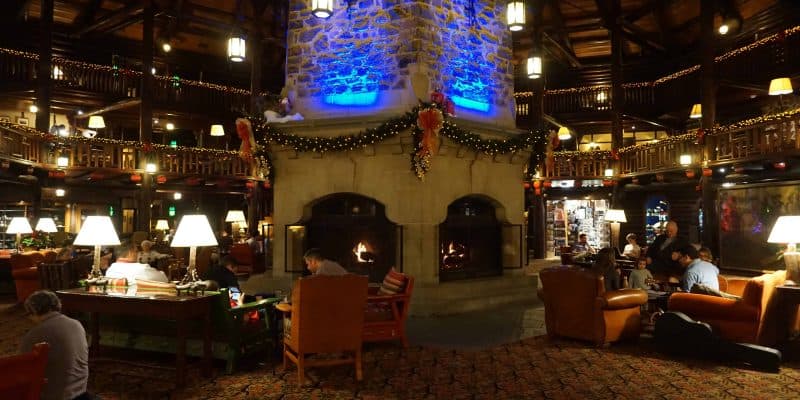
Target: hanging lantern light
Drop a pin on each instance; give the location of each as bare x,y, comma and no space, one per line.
237,47
534,67
779,86
697,111
563,133
515,17
217,130
322,8
96,122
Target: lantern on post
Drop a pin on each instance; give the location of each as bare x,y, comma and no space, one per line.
534,67
237,46
515,15
322,8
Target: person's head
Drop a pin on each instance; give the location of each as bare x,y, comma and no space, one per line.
41,303
313,258
705,254
227,263
631,238
605,260
146,245
641,263
686,255
672,229
582,238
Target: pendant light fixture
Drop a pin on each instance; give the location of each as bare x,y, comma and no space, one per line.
697,111
563,133
96,122
515,15
237,47
217,130
534,67
322,8
780,86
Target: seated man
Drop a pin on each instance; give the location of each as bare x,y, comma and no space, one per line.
224,273
319,265
582,247
133,271
697,271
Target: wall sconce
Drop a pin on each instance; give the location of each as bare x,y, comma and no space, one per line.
609,173
322,8
169,126
33,108
237,47
515,16
96,122
697,111
217,130
177,196
685,160
534,67
150,168
60,192
62,161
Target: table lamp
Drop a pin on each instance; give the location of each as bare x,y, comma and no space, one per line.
193,231
236,218
615,216
19,225
97,231
786,231
46,224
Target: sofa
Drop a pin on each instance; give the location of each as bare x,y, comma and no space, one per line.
25,271
753,319
577,306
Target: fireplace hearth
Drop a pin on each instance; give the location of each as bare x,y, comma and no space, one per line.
470,240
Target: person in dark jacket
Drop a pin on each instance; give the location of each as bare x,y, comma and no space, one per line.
224,273
660,258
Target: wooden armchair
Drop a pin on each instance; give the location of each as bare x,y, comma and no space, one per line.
23,375
327,316
241,332
385,316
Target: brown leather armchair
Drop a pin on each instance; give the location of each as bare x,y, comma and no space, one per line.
327,316
24,270
577,306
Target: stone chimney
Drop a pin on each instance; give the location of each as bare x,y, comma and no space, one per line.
380,57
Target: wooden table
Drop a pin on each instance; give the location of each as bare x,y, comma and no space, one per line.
150,304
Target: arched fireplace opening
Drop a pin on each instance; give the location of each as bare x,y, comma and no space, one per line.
470,240
354,231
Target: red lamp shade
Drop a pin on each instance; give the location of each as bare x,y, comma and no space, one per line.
56,174
779,165
548,184
690,173
136,178
161,179
250,184
267,185
537,184
526,185
708,172
538,191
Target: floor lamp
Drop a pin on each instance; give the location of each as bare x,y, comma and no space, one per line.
193,230
786,231
615,216
97,231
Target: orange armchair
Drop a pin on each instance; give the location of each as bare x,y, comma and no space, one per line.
385,316
244,257
749,320
576,305
25,271
23,374
327,316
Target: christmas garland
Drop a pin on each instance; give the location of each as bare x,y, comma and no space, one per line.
420,160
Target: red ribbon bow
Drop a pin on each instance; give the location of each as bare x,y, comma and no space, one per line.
430,121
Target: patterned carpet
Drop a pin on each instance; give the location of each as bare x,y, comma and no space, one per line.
528,369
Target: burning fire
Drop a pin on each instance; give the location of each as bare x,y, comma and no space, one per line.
363,255
455,256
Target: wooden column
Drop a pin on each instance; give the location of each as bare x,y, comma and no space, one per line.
44,66
617,95
146,116
256,50
708,103
536,214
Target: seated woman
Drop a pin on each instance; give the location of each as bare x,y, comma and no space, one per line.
606,265
148,255
632,249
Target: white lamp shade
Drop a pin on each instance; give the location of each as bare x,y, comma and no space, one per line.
322,8
235,216
563,133
609,173
46,225
97,230
785,230
615,215
217,130
697,111
96,122
162,225
19,225
534,67
515,16
236,48
779,86
685,159
194,230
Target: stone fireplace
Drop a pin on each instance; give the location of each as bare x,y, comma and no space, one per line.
375,60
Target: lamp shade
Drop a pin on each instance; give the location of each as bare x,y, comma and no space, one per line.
19,225
685,159
194,230
779,86
46,225
615,215
534,67
785,230
162,225
217,130
96,122
322,8
97,230
697,111
563,133
515,15
235,216
236,48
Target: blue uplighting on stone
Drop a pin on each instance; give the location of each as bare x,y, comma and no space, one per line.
471,104
352,99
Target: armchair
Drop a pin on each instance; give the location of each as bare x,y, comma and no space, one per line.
385,316
244,257
577,305
327,316
23,374
24,270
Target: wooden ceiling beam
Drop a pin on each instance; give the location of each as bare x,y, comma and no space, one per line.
559,19
639,36
113,19
639,13
88,13
570,57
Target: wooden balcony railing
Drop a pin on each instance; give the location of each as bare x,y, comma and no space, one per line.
772,136
18,67
26,145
